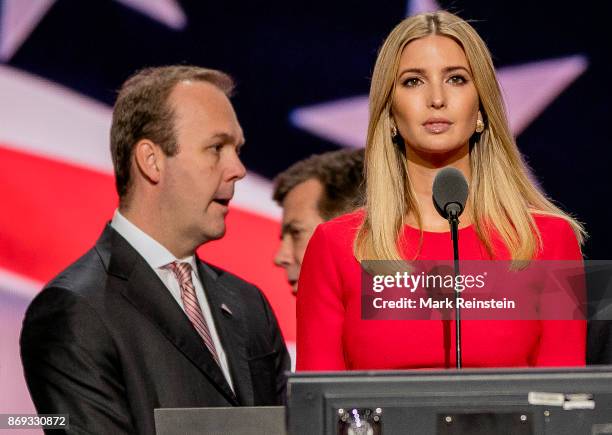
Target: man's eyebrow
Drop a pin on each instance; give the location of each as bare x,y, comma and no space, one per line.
223,136
228,138
287,226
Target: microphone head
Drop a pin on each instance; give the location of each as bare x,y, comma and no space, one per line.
450,191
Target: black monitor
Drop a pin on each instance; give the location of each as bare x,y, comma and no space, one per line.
470,401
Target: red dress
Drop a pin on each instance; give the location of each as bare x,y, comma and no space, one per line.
332,336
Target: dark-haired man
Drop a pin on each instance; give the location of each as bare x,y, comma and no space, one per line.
139,322
310,192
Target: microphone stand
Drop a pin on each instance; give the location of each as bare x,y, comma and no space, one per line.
453,220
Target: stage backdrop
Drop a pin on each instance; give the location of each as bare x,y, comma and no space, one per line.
302,69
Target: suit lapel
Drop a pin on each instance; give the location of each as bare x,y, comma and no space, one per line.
149,295
228,315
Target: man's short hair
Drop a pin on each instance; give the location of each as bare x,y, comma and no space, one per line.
339,172
142,112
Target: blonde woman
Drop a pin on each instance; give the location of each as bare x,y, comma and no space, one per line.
434,103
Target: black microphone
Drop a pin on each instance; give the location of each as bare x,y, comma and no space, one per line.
450,191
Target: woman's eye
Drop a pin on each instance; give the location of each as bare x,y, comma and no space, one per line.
457,80
411,82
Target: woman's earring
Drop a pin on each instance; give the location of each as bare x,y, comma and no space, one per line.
393,131
479,125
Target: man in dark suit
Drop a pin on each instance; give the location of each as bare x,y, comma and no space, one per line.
139,322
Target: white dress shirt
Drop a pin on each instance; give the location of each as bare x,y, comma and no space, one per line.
157,256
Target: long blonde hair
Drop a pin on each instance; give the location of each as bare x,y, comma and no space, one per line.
502,196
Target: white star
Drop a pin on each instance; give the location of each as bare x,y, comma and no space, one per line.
20,18
529,88
167,12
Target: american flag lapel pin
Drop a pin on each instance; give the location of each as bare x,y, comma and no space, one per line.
226,310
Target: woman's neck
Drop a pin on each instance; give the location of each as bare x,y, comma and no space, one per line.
422,169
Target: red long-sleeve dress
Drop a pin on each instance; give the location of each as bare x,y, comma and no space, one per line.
332,336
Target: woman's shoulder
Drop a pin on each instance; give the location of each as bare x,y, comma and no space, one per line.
551,224
349,222
558,240
332,244
340,232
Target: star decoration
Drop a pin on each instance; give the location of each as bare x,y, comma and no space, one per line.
20,18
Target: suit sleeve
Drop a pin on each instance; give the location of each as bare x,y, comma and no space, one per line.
71,366
282,362
320,309
563,342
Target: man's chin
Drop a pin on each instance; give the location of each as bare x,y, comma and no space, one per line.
219,234
211,234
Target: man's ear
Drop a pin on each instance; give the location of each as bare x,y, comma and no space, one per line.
147,157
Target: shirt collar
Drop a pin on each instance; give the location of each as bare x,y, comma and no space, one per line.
154,253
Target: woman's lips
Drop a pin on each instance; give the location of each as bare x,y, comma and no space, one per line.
437,126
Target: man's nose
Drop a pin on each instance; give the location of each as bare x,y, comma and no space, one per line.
283,256
235,169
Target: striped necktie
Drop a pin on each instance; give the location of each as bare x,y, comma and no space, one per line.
182,271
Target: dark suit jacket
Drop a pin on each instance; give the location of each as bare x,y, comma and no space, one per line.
106,343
